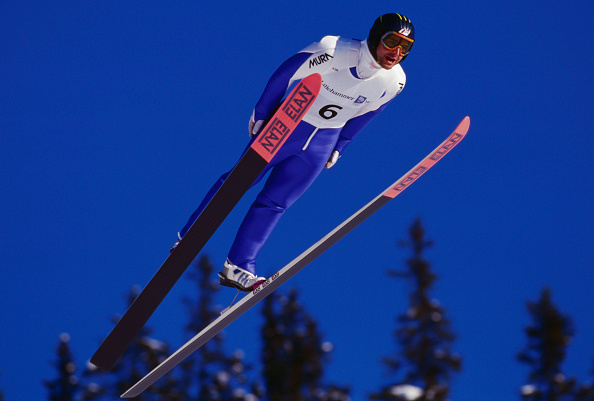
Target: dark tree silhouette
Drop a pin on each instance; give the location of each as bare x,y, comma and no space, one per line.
65,386
548,336
425,361
294,353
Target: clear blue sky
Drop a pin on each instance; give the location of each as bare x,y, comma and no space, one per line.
116,117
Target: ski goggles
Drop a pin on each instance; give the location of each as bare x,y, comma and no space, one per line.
392,40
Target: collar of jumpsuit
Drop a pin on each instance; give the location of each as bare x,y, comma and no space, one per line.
368,66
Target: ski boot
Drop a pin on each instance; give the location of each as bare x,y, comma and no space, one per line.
235,277
177,243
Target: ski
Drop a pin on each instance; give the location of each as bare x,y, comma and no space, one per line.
249,167
300,262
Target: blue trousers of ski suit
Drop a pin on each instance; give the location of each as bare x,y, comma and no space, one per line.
292,170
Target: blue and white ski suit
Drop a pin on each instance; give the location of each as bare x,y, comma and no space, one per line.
354,90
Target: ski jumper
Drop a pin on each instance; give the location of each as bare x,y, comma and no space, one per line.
354,90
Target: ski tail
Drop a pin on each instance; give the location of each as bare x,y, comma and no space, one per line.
300,262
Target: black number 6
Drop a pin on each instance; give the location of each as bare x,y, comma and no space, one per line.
327,112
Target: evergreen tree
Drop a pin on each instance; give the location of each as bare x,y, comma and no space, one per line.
210,373
548,338
426,361
294,353
65,387
143,355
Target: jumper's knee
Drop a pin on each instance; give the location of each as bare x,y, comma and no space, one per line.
271,204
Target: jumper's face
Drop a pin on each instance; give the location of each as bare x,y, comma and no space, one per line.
388,58
393,47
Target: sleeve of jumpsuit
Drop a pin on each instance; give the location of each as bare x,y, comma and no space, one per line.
352,128
277,86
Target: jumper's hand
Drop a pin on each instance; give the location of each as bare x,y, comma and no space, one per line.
333,159
254,126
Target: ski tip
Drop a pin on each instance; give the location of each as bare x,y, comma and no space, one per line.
315,79
462,128
313,82
465,124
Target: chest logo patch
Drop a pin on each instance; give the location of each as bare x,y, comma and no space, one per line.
321,59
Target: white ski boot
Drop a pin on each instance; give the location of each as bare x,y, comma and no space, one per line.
235,277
